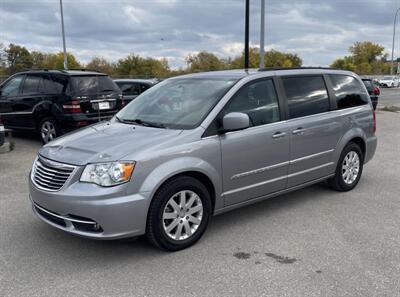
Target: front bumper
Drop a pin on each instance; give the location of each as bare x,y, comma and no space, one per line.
80,211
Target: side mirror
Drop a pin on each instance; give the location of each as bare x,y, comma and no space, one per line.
234,121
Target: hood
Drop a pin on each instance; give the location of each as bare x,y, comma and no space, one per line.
105,142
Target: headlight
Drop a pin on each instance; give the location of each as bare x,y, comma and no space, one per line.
108,174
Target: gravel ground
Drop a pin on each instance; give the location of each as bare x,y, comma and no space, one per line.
313,242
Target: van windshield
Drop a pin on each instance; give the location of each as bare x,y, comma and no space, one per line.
93,84
179,103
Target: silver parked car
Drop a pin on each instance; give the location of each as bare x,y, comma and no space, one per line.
202,144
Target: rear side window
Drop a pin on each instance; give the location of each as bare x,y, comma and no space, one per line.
88,84
129,89
258,100
349,92
143,87
306,95
31,84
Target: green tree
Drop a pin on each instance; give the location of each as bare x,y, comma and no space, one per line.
365,58
101,65
17,58
272,58
203,61
134,65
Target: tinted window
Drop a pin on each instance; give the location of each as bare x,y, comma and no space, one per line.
306,95
31,84
349,92
54,84
368,84
130,89
12,87
143,87
93,84
258,100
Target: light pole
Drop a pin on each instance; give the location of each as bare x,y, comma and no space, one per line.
394,34
63,36
262,33
246,35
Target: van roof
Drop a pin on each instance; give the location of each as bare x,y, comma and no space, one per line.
240,73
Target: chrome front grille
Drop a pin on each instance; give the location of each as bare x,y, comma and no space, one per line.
50,175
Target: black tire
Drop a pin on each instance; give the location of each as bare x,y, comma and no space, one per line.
49,122
155,232
337,182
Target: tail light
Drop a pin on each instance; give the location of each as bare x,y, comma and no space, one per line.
73,107
374,121
376,91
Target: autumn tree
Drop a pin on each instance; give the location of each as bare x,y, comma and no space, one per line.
101,65
134,65
203,61
17,58
272,58
365,58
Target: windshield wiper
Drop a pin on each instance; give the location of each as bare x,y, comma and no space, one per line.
142,123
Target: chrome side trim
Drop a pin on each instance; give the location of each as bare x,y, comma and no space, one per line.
16,113
63,217
259,170
311,156
310,169
253,185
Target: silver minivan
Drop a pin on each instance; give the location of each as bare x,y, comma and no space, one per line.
202,144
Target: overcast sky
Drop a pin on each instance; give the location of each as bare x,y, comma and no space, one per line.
318,30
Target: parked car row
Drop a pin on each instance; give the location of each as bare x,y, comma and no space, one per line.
389,81
52,102
373,90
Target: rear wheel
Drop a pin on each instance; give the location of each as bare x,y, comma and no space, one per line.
48,129
179,214
349,168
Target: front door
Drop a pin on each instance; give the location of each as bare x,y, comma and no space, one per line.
9,93
255,160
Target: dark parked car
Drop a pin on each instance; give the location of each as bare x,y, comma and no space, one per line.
52,102
373,90
131,88
1,133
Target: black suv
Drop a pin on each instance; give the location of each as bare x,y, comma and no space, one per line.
52,102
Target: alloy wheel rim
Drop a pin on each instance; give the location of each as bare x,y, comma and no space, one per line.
182,215
48,131
350,167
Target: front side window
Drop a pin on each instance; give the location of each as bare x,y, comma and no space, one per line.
349,92
12,87
179,103
306,95
258,100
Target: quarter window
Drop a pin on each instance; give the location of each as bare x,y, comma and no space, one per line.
348,91
12,87
306,95
258,100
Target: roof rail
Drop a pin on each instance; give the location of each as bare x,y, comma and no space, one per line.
61,70
294,68
83,69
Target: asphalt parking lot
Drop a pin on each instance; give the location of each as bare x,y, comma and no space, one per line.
313,242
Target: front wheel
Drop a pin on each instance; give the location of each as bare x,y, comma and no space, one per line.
48,129
349,168
179,214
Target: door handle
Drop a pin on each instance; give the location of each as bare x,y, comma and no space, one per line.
278,135
298,131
